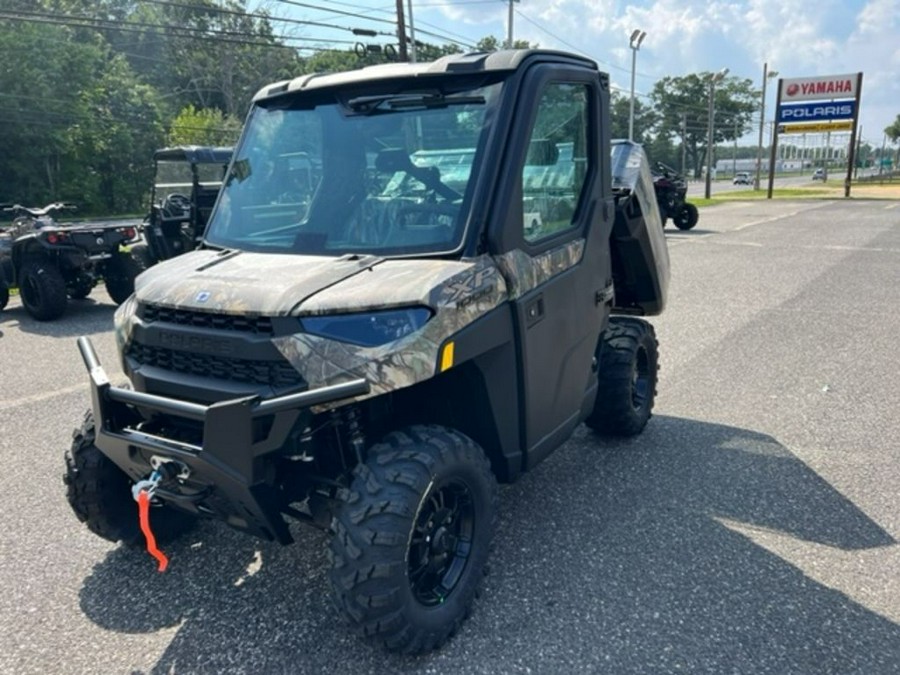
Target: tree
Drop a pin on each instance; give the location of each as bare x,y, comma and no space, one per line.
684,100
893,132
491,43
209,126
620,111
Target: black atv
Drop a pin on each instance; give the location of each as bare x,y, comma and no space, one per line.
186,184
50,263
671,194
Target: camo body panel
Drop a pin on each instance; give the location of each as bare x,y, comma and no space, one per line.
458,292
524,272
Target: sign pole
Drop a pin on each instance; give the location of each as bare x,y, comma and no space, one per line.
852,160
774,142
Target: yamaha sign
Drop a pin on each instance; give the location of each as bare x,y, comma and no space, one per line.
819,88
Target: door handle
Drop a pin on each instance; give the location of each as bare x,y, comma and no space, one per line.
534,311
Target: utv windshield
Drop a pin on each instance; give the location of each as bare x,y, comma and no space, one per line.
385,174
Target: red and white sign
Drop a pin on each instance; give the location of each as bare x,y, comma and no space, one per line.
819,88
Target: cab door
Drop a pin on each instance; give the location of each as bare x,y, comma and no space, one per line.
555,249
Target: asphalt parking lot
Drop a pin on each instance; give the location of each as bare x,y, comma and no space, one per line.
752,528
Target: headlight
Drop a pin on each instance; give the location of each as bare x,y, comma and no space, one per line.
370,329
123,321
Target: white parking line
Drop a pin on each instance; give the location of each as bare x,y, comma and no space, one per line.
780,216
44,396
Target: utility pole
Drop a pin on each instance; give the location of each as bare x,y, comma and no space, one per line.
509,26
734,152
762,120
401,32
412,33
710,133
684,144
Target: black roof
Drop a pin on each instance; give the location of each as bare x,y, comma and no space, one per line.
196,154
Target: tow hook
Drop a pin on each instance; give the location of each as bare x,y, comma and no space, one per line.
170,468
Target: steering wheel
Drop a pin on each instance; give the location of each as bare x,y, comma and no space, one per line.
427,215
175,205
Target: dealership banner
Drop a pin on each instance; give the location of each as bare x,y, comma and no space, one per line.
819,88
815,127
816,112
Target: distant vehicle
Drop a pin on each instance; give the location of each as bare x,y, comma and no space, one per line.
820,174
742,178
50,262
186,184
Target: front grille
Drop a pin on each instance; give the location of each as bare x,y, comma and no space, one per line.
257,325
275,373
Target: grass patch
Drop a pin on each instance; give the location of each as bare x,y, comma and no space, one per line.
859,190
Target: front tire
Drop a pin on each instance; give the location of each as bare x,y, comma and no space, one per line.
411,538
4,296
43,291
120,273
99,493
627,377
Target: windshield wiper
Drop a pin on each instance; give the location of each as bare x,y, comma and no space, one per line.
370,104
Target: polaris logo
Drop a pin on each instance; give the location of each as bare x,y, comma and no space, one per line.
202,296
816,112
819,112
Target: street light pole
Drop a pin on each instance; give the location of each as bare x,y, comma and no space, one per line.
710,132
637,37
762,120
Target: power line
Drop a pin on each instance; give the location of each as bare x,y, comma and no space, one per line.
227,36
357,15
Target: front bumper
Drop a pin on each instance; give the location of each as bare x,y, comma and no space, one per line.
224,476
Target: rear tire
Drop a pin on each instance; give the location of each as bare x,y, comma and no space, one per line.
687,217
120,273
4,295
99,493
411,538
627,377
43,291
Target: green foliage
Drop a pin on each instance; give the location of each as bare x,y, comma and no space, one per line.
893,130
203,127
620,111
493,44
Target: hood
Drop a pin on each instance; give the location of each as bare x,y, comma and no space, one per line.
394,283
235,282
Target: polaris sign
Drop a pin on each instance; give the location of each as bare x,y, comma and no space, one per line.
816,112
819,88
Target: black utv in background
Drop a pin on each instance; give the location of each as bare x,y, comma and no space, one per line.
50,262
451,286
186,183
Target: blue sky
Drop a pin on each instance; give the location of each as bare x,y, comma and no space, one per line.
797,38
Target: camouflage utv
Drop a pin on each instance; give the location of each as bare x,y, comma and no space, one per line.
403,296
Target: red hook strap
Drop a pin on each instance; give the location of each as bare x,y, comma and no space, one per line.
143,500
